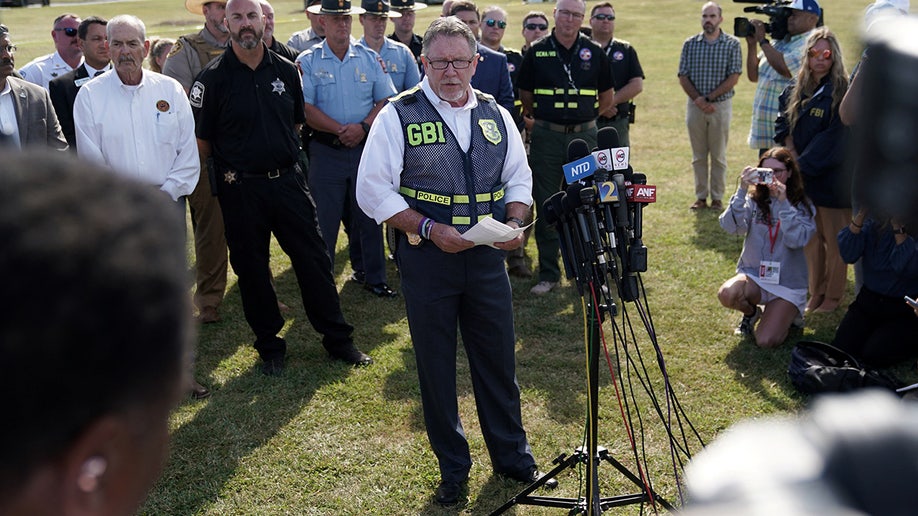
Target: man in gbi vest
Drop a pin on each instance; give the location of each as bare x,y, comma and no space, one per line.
439,158
186,60
565,81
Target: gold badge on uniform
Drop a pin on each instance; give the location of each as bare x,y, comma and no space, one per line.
490,131
162,106
229,176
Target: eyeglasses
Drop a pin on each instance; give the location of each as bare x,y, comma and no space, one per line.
570,14
825,54
69,31
535,26
9,49
500,24
606,17
458,64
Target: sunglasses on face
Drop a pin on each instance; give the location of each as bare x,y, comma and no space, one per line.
500,24
70,32
535,26
825,54
606,17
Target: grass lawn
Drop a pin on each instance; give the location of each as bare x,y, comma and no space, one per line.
328,439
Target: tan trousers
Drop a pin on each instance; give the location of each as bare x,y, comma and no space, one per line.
828,272
209,244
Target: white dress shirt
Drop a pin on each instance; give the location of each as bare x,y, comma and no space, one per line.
379,173
44,69
144,131
9,126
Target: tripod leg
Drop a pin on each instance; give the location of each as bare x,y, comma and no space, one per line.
562,462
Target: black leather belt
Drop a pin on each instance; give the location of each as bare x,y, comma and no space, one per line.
269,174
559,128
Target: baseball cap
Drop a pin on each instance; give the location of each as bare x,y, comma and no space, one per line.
809,6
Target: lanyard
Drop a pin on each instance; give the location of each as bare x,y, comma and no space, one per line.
567,66
773,236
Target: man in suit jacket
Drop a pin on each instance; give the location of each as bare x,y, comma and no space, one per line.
491,76
96,61
27,117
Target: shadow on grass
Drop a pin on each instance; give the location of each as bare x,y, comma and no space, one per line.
249,409
708,235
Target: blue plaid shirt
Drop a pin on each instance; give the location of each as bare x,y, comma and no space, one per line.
770,86
709,64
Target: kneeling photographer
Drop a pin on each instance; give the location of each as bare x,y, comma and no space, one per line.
779,61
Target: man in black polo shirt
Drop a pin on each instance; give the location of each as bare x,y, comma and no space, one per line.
248,108
565,81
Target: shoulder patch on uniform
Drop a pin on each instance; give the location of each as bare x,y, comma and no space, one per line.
196,95
176,48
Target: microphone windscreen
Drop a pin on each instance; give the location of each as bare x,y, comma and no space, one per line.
577,149
607,138
638,178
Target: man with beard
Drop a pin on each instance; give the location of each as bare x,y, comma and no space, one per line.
344,86
67,56
27,116
248,108
96,61
186,60
709,68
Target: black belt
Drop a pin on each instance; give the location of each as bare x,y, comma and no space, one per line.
266,174
329,139
560,128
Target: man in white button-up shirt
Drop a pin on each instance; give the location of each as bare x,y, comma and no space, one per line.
137,122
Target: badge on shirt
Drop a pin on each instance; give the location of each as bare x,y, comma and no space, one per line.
585,54
176,48
229,176
769,272
278,86
80,82
618,55
393,67
162,106
196,96
489,131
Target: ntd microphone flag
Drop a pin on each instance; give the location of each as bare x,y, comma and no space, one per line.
579,169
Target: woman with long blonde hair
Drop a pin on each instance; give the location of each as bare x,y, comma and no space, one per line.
809,126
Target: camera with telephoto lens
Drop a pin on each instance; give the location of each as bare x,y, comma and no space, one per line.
766,175
777,11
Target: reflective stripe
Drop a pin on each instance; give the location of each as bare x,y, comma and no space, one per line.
467,221
562,91
447,200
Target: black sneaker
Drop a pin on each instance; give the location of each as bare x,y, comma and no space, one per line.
350,354
747,323
448,493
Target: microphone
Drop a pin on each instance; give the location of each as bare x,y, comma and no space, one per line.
581,164
621,210
582,198
637,256
555,215
606,139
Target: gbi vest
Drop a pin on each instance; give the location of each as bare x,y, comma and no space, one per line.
561,97
441,181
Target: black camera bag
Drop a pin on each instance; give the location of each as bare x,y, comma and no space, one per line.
816,367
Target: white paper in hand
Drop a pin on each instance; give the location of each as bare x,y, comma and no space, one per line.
488,231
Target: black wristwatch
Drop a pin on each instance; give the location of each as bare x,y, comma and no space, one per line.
365,126
519,222
706,99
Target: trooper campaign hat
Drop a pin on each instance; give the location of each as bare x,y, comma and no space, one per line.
335,7
379,8
197,6
407,5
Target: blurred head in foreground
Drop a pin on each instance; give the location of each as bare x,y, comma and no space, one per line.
94,334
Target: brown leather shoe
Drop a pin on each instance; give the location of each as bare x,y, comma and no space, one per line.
198,391
699,204
717,205
208,315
